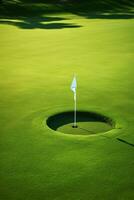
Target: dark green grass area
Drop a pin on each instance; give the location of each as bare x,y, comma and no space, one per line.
32,13
42,45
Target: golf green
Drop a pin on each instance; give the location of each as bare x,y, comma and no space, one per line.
85,128
38,59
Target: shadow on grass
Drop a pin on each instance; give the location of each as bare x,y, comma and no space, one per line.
38,23
31,14
90,132
125,142
109,15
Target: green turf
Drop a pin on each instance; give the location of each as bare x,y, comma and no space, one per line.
37,61
85,128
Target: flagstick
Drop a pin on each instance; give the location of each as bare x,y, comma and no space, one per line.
73,88
75,124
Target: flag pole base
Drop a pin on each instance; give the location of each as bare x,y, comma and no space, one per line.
74,126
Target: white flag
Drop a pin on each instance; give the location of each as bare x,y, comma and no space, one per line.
74,86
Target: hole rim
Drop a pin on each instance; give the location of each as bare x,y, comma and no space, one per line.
100,118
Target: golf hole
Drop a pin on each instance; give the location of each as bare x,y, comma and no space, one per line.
88,123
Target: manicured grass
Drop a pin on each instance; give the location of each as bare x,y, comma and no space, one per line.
85,128
38,60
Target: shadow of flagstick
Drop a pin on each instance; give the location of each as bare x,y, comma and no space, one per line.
119,139
91,132
128,143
